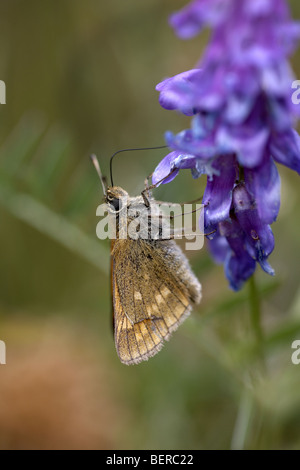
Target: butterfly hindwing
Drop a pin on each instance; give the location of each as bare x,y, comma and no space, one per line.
153,292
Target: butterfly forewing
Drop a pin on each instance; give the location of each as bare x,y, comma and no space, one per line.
153,292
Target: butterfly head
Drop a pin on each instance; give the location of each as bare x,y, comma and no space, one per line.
115,197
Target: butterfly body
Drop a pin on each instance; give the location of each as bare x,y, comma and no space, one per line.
153,286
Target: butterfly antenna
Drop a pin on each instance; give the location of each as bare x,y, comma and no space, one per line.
131,150
97,167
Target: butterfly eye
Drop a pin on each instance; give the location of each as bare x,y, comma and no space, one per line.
115,202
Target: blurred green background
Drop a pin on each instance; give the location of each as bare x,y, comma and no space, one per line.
81,78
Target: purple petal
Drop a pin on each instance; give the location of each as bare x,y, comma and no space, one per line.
189,21
285,149
243,81
258,235
238,109
203,125
238,268
210,95
185,142
276,80
179,92
217,196
261,244
239,264
289,35
249,144
265,265
280,116
264,7
218,246
263,183
214,53
164,168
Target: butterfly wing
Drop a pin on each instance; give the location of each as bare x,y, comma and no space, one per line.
153,292
112,243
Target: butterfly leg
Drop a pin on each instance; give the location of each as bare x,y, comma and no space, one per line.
178,234
147,181
172,217
152,186
166,203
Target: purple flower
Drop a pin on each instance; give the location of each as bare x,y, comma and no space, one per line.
191,19
175,92
239,97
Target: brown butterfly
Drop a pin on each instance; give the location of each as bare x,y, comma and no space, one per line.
153,286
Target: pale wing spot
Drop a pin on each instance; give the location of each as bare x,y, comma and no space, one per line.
155,310
149,311
159,299
165,291
137,295
144,331
170,319
179,310
150,337
139,337
178,296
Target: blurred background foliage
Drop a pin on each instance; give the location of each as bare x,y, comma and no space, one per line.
81,78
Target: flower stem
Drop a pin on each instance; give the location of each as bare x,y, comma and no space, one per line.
255,313
243,421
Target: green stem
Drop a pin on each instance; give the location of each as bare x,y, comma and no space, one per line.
255,313
243,421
